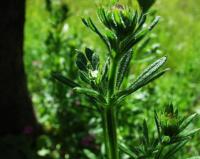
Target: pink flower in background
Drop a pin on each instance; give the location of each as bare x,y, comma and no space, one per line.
88,141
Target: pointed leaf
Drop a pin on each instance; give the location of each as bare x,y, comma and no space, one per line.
127,151
89,54
89,23
105,70
84,77
189,133
89,154
132,40
173,150
154,23
187,121
146,77
146,132
64,80
90,93
145,5
123,67
157,125
86,91
95,61
81,61
140,84
152,68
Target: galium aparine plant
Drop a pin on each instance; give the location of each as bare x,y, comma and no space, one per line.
102,82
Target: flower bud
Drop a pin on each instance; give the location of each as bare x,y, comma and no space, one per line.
170,121
119,19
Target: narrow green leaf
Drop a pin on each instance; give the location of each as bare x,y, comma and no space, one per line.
146,77
173,150
189,133
140,84
127,151
150,70
123,67
145,5
84,77
132,40
86,91
187,121
105,70
81,61
89,54
157,125
179,139
64,80
146,132
95,61
154,23
89,23
89,154
141,21
103,18
90,93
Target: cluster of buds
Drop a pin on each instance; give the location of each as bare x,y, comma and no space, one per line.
124,28
174,128
120,20
170,121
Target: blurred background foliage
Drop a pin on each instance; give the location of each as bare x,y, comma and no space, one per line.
54,30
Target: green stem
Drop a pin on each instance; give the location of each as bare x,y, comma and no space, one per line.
109,117
112,78
110,132
105,133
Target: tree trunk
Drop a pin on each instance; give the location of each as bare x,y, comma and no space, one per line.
16,111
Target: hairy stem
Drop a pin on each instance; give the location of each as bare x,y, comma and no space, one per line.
112,78
109,117
110,132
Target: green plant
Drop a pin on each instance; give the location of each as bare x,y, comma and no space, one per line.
60,42
172,134
102,83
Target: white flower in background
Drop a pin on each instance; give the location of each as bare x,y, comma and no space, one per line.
65,28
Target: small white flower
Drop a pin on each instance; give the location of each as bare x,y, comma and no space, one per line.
94,73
